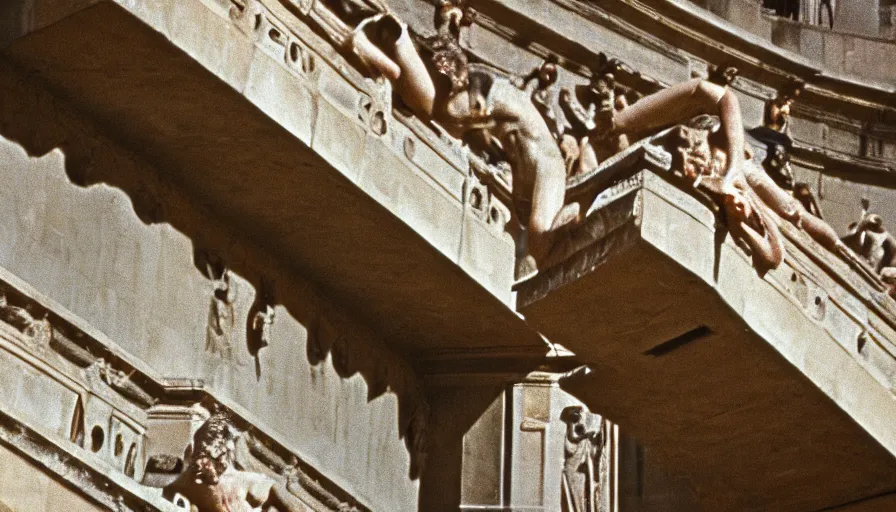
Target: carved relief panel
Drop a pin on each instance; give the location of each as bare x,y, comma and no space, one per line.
537,448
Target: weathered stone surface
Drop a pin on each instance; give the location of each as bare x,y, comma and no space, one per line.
272,154
267,156
723,348
96,244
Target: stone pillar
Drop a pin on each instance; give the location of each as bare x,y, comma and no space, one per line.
537,448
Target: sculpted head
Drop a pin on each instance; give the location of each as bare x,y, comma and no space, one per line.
790,93
452,16
873,222
213,446
579,423
720,75
547,74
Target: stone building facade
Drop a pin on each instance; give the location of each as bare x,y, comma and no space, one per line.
240,267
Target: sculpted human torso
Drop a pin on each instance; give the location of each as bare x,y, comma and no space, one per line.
474,102
211,482
511,118
235,491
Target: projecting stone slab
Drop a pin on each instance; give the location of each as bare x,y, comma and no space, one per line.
255,115
758,389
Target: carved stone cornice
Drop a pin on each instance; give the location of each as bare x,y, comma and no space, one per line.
654,285
78,468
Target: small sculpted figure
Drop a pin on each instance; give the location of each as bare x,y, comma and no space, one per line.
749,200
870,239
262,323
544,77
590,110
263,318
37,331
120,381
18,317
211,482
578,154
777,111
219,331
582,450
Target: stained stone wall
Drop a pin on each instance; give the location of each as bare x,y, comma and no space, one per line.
141,286
24,486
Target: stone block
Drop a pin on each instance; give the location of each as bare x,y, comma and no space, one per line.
333,133
415,198
212,40
281,95
23,486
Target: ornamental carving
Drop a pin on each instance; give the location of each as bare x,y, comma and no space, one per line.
36,332
211,480
582,460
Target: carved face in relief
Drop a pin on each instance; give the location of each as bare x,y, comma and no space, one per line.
693,152
579,424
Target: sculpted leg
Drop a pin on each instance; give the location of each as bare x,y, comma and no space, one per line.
680,103
384,46
355,41
548,195
372,57
772,195
414,83
791,210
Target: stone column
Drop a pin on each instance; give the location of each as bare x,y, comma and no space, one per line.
537,448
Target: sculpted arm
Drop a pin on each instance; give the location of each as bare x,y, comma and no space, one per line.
767,247
413,83
384,46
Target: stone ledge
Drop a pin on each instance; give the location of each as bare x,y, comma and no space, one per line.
654,287
428,194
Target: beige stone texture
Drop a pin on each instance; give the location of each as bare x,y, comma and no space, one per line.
26,488
780,347
82,246
206,133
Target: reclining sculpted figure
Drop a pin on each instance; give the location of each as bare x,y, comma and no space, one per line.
211,483
750,196
475,99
